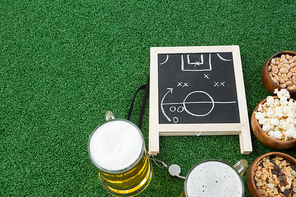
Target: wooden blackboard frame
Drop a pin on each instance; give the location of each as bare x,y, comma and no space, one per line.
155,129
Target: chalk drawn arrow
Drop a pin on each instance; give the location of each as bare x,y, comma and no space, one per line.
170,90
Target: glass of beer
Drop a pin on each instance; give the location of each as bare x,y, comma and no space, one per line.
215,178
117,149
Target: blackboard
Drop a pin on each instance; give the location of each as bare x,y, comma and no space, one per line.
197,88
197,91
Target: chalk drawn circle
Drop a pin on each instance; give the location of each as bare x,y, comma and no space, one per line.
180,109
197,94
175,119
172,108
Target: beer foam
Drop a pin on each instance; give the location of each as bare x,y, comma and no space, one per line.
214,178
115,145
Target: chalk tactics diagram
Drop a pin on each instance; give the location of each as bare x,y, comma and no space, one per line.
196,62
189,104
195,102
197,91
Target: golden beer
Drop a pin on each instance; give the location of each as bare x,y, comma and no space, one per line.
117,149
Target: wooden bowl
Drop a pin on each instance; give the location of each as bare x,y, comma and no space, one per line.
251,171
266,80
264,138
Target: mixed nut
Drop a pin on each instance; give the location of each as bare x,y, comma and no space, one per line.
282,71
275,177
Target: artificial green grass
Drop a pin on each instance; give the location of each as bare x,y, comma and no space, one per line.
63,64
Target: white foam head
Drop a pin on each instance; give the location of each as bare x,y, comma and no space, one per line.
213,178
115,145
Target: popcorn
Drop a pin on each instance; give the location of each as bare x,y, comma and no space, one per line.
290,115
278,135
266,127
274,121
271,133
259,115
262,121
270,100
286,109
278,112
270,114
290,133
282,93
277,117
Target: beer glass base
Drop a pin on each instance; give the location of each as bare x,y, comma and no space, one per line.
132,191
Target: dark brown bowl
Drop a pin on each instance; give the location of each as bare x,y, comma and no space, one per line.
266,80
251,171
264,138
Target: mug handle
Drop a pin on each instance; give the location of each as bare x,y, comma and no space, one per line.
241,166
109,116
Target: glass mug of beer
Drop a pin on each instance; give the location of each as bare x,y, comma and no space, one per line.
117,149
215,178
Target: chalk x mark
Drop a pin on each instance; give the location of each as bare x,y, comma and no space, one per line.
219,84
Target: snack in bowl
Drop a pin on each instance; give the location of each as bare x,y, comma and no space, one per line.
275,121
277,116
272,174
282,71
279,71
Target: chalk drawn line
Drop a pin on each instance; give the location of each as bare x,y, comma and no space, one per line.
167,58
185,104
223,59
200,102
196,63
170,90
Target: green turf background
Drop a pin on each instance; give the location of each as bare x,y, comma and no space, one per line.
64,63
